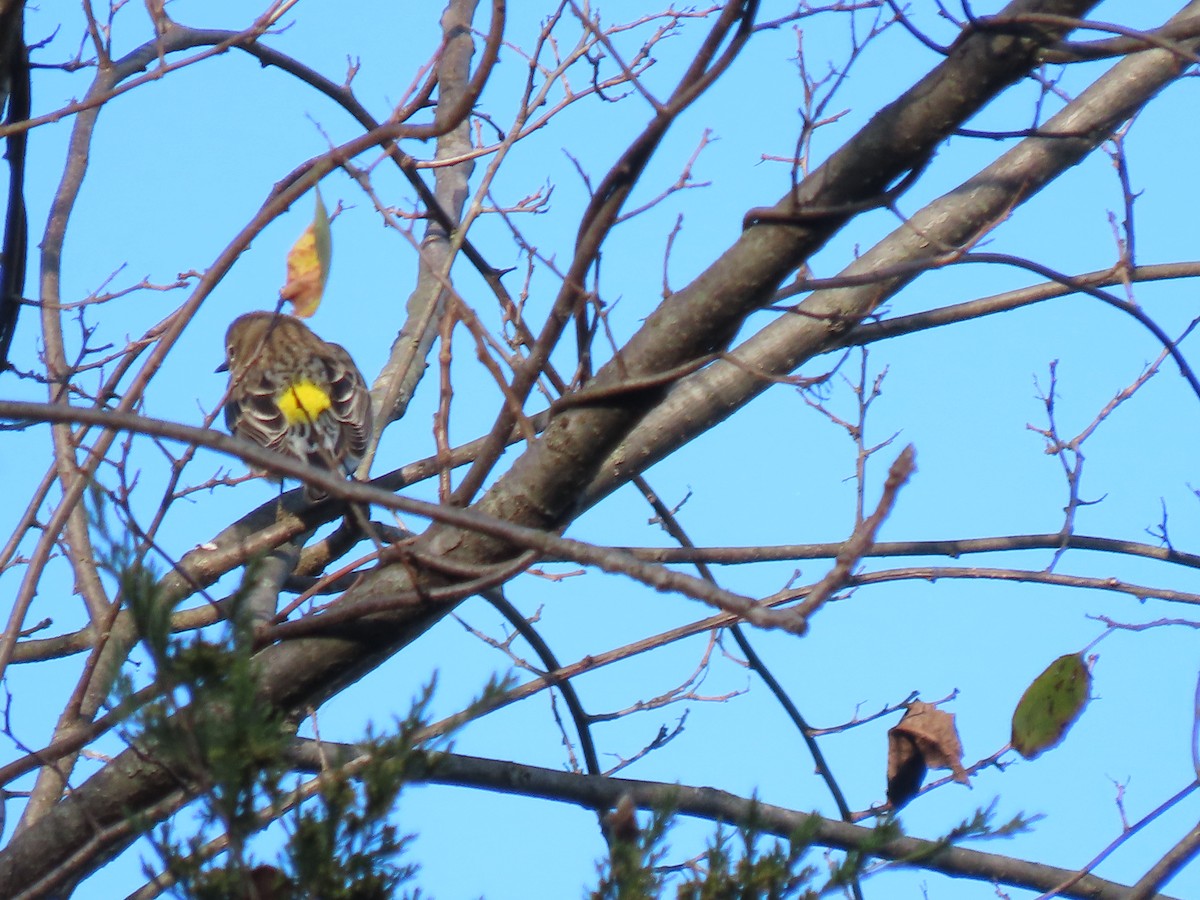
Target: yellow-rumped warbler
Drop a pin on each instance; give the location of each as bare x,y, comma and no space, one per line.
292,392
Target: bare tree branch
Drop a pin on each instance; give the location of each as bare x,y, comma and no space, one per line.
600,793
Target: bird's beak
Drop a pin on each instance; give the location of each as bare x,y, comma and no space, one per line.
223,367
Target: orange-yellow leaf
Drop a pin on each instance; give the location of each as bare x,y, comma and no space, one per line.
308,264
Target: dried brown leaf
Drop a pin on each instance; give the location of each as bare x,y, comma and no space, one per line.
926,738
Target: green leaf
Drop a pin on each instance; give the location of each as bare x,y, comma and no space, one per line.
1051,705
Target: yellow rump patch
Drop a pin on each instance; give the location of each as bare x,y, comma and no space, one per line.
303,402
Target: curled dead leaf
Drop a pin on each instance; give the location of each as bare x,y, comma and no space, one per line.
926,738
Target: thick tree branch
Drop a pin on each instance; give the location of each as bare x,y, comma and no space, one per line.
698,402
